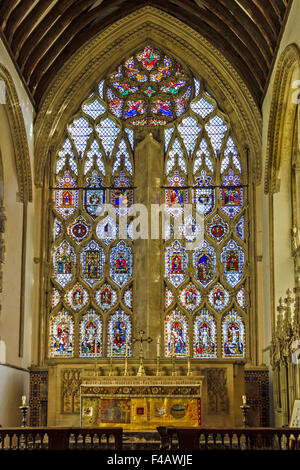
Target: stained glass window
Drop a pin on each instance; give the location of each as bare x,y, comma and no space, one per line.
206,250
90,268
204,253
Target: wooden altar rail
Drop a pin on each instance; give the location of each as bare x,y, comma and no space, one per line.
61,438
230,439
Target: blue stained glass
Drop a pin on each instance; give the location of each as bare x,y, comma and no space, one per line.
176,335
121,263
119,335
232,257
233,336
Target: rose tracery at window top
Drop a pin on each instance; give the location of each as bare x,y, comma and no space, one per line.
149,88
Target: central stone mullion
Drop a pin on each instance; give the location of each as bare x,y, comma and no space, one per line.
147,252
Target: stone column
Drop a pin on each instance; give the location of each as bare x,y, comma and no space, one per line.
147,260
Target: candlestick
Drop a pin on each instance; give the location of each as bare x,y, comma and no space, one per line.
244,398
24,410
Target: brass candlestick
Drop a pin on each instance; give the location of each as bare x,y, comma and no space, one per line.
24,411
141,369
244,407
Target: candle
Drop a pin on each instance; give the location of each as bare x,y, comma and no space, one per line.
23,400
244,398
158,347
126,350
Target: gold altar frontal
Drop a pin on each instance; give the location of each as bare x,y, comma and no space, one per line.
140,403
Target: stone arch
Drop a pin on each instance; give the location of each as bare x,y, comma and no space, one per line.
19,137
103,52
282,113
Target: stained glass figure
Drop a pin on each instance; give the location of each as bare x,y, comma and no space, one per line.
190,297
240,228
176,335
232,257
241,297
175,263
66,199
205,336
173,87
107,230
204,260
92,262
163,72
169,298
125,88
115,104
176,196
119,334
190,230
106,297
122,195
64,260
231,195
94,198
61,335
55,299
182,101
148,58
218,297
121,263
128,298
58,229
134,108
79,229
77,297
162,107
218,229
203,195
91,335
233,336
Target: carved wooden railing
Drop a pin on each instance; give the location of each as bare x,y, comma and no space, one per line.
230,439
61,438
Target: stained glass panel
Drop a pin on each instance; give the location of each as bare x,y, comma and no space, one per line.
176,335
92,262
119,335
205,336
64,260
232,257
91,335
106,297
204,259
62,335
218,297
233,336
175,263
190,297
121,263
77,297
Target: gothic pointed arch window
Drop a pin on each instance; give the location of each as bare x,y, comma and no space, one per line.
204,253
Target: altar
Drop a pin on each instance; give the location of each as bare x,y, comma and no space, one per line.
140,403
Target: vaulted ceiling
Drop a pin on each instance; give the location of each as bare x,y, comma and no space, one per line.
41,35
